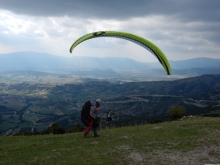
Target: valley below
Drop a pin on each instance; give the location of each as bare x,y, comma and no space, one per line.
30,106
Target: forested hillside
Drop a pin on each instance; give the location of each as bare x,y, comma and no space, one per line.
33,107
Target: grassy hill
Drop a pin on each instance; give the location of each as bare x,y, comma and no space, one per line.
194,140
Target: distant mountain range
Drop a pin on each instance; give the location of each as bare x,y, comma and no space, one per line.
43,62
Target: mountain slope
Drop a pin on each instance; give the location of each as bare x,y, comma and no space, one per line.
34,106
191,141
47,63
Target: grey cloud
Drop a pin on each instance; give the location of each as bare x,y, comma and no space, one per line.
184,23
184,9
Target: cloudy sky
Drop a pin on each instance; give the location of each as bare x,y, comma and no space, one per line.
182,29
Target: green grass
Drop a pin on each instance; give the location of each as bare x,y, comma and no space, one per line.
190,141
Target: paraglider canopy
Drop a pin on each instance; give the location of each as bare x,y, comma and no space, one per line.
131,37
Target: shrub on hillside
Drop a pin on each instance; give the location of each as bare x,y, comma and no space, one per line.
176,112
55,129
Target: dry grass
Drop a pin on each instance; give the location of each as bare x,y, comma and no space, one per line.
191,141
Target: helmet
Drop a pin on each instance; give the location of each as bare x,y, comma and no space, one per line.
98,101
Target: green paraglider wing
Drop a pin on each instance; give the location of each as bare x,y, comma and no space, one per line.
131,37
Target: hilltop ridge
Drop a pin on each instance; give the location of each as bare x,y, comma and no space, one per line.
193,141
77,65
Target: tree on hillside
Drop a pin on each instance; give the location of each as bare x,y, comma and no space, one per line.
177,112
55,129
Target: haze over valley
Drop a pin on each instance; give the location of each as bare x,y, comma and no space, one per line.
34,96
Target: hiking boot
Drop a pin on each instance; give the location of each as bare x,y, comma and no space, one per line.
85,136
96,135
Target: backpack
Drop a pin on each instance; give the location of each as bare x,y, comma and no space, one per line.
85,113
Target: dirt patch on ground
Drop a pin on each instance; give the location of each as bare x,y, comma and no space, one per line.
199,156
203,155
135,158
